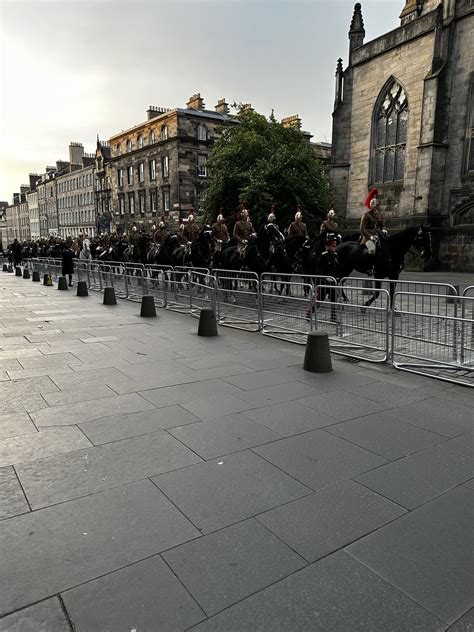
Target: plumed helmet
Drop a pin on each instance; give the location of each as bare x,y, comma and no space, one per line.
298,216
220,218
153,226
271,218
331,213
373,203
244,212
181,228
373,195
161,224
191,218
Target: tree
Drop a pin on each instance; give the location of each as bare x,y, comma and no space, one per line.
260,162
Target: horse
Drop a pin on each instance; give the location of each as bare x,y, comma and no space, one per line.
202,249
85,253
389,259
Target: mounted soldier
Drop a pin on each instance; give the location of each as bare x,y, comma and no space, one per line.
191,231
243,229
271,219
372,225
298,227
219,229
160,233
329,225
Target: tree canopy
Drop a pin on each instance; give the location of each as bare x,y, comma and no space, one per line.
261,162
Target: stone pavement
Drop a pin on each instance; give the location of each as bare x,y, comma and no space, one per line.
154,481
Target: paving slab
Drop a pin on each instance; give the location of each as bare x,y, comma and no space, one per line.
271,377
14,424
222,568
46,616
151,381
126,426
222,436
444,416
41,384
144,596
18,403
332,595
215,406
65,476
12,498
428,554
386,436
218,493
341,405
69,414
77,541
79,394
277,394
38,445
319,459
464,624
317,525
419,477
464,444
169,395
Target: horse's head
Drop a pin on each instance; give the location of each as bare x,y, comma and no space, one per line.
274,232
422,241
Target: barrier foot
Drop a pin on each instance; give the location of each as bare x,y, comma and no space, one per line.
26,274
317,358
36,276
148,308
109,296
5,267
82,289
207,323
18,271
62,283
47,280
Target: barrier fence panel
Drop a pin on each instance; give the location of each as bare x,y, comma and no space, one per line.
237,295
434,344
134,279
113,275
95,276
81,268
202,287
54,268
287,316
178,297
294,284
156,282
354,330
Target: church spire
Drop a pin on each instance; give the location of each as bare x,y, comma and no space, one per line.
356,31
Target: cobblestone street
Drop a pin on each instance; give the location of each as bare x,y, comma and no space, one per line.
155,481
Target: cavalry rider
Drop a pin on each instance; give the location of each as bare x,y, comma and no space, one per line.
328,265
243,229
271,219
191,231
160,234
298,227
372,225
134,239
219,229
329,225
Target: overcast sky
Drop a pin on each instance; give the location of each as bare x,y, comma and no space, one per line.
70,70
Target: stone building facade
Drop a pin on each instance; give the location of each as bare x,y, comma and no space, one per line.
403,122
33,212
158,167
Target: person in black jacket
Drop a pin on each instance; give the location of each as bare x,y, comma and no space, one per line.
17,252
68,261
328,265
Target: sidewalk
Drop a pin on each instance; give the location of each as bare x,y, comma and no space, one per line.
154,481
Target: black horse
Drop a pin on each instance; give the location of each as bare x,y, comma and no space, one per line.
202,249
389,259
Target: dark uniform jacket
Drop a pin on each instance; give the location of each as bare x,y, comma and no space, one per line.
219,230
68,262
328,264
297,228
242,230
191,232
328,226
370,225
160,235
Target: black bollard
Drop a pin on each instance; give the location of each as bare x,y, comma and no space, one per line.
207,323
36,276
5,267
10,268
109,296
317,357
45,279
48,280
62,283
18,271
148,308
82,289
26,273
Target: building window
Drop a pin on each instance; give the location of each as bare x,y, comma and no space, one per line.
140,142
129,146
165,168
130,175
141,172
164,132
166,200
202,166
121,205
141,201
152,137
153,202
153,169
201,132
131,203
389,134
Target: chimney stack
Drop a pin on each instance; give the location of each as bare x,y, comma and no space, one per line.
76,152
222,107
33,178
154,111
292,121
195,102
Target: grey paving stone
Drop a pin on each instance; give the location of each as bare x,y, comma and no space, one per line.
464,444
428,554
69,414
45,361
221,436
318,459
441,415
271,377
289,418
143,596
464,624
169,395
276,394
342,405
10,364
19,353
218,493
470,483
4,376
327,520
46,616
135,424
419,477
334,595
79,394
18,403
66,476
12,498
215,406
38,445
77,541
394,395
47,371
152,381
386,435
221,568
220,371
341,380
85,379
14,424
41,384
209,361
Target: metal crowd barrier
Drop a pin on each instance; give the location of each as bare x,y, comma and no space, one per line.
288,316
156,281
426,342
237,295
202,291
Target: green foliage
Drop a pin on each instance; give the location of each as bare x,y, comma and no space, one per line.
262,163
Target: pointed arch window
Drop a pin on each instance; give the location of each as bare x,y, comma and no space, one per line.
390,134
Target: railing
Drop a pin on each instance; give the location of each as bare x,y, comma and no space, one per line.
238,303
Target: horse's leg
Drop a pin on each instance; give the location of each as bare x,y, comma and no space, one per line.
375,295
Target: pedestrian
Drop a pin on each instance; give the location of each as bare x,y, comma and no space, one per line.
68,261
17,252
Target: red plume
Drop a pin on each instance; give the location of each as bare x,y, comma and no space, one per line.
374,193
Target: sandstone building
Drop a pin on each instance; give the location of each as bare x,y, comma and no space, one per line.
403,121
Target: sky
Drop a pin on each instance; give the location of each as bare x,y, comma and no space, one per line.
70,70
